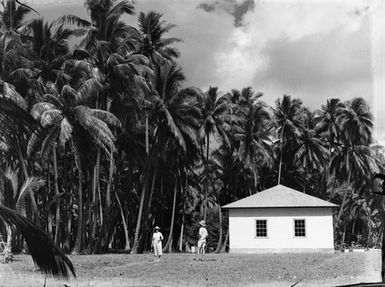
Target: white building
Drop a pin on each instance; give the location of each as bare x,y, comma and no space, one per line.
280,219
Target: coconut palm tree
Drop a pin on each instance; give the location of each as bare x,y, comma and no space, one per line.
176,116
17,126
216,118
354,158
153,44
312,154
68,119
253,134
288,118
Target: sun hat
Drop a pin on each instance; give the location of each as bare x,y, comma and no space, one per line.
157,228
202,222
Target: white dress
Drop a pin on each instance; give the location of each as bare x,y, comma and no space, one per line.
157,243
202,237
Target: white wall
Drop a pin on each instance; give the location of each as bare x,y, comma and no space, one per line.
280,230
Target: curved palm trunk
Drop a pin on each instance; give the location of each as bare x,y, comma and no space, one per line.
180,248
25,172
168,246
57,219
144,195
105,233
135,246
223,250
127,246
219,244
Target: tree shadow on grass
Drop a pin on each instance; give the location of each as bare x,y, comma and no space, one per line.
377,284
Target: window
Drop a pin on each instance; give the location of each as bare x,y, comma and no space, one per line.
299,228
261,228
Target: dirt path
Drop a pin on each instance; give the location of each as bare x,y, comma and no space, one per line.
217,270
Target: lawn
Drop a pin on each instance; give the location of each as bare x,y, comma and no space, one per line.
216,270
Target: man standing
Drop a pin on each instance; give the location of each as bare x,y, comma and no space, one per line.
157,238
202,240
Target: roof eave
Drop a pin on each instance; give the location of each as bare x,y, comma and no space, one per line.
265,207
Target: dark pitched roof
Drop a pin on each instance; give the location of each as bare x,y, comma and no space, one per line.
279,196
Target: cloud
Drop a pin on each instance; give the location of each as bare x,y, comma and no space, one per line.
291,47
235,8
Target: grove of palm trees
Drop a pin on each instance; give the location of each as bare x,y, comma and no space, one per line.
101,140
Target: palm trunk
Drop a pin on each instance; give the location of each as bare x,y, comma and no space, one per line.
25,172
57,219
110,174
343,235
383,248
94,215
353,226
207,174
79,232
127,246
181,234
219,244
383,256
103,240
135,246
280,157
223,250
168,246
69,226
147,141
344,200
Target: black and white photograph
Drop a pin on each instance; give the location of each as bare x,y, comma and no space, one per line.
160,143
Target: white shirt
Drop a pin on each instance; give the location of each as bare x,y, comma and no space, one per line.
202,233
157,237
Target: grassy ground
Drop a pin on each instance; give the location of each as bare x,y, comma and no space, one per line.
216,270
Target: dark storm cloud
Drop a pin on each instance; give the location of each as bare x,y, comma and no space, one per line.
231,7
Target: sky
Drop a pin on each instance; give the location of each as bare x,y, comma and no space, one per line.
310,49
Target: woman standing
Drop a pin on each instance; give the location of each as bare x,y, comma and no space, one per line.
157,238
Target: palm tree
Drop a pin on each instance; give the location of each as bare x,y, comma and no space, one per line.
253,134
104,33
153,45
67,118
49,51
216,121
13,32
289,122
327,127
17,126
354,158
326,121
176,116
312,154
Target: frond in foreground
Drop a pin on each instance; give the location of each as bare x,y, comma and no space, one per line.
49,258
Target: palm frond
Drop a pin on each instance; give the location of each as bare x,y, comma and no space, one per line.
30,185
106,117
73,20
38,109
51,117
65,131
49,258
90,88
8,91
